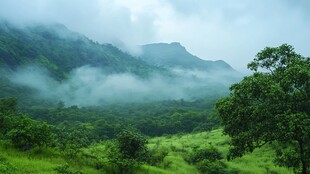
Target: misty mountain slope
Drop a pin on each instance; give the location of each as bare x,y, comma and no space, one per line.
212,75
174,55
49,63
60,50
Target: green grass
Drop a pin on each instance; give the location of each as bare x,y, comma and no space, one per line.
39,161
177,146
260,161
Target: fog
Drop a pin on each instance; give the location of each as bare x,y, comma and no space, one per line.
91,86
233,31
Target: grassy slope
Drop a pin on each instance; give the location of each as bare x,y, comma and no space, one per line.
260,161
39,161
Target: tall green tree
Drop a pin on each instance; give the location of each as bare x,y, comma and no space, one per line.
271,106
128,153
28,133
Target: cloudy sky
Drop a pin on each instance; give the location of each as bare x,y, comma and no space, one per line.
233,31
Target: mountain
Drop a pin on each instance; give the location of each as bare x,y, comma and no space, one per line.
174,55
60,50
50,63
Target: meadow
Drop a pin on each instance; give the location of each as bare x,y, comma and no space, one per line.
176,148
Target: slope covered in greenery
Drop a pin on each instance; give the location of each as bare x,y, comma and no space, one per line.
60,51
174,149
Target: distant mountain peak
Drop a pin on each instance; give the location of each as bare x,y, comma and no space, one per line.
176,44
175,55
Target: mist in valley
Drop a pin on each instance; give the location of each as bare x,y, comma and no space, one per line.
92,86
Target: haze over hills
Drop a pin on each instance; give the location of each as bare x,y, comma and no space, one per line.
177,59
60,51
55,63
174,55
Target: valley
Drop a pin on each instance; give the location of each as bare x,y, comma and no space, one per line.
71,105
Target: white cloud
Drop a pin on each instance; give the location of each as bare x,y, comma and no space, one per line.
91,86
233,31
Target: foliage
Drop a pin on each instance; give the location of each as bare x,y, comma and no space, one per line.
8,105
149,118
29,133
64,169
71,137
116,161
208,161
6,167
60,50
132,145
215,167
157,155
270,106
94,158
211,154
20,129
126,154
7,109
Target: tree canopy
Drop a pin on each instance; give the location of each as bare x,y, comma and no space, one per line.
271,106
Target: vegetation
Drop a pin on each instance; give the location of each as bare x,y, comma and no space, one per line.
266,113
175,149
271,106
60,50
73,148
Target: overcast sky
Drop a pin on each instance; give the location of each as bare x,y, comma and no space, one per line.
233,31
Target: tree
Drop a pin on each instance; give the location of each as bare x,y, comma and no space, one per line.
128,153
72,136
29,133
132,145
8,107
271,106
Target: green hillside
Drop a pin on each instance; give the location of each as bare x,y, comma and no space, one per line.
60,51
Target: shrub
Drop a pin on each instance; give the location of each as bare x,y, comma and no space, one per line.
65,169
208,161
29,133
6,167
156,156
211,154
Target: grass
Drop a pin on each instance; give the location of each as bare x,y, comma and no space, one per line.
39,161
177,146
258,162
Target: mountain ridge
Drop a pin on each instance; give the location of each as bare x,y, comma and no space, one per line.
61,50
174,55
77,70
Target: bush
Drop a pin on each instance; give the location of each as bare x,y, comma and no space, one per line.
156,156
211,154
64,169
208,161
126,154
6,167
29,133
132,145
215,167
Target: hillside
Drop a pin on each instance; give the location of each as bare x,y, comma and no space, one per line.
174,55
60,51
51,63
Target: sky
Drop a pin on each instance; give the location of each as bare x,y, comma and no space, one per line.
233,31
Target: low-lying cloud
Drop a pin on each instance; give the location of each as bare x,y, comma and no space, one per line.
91,86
